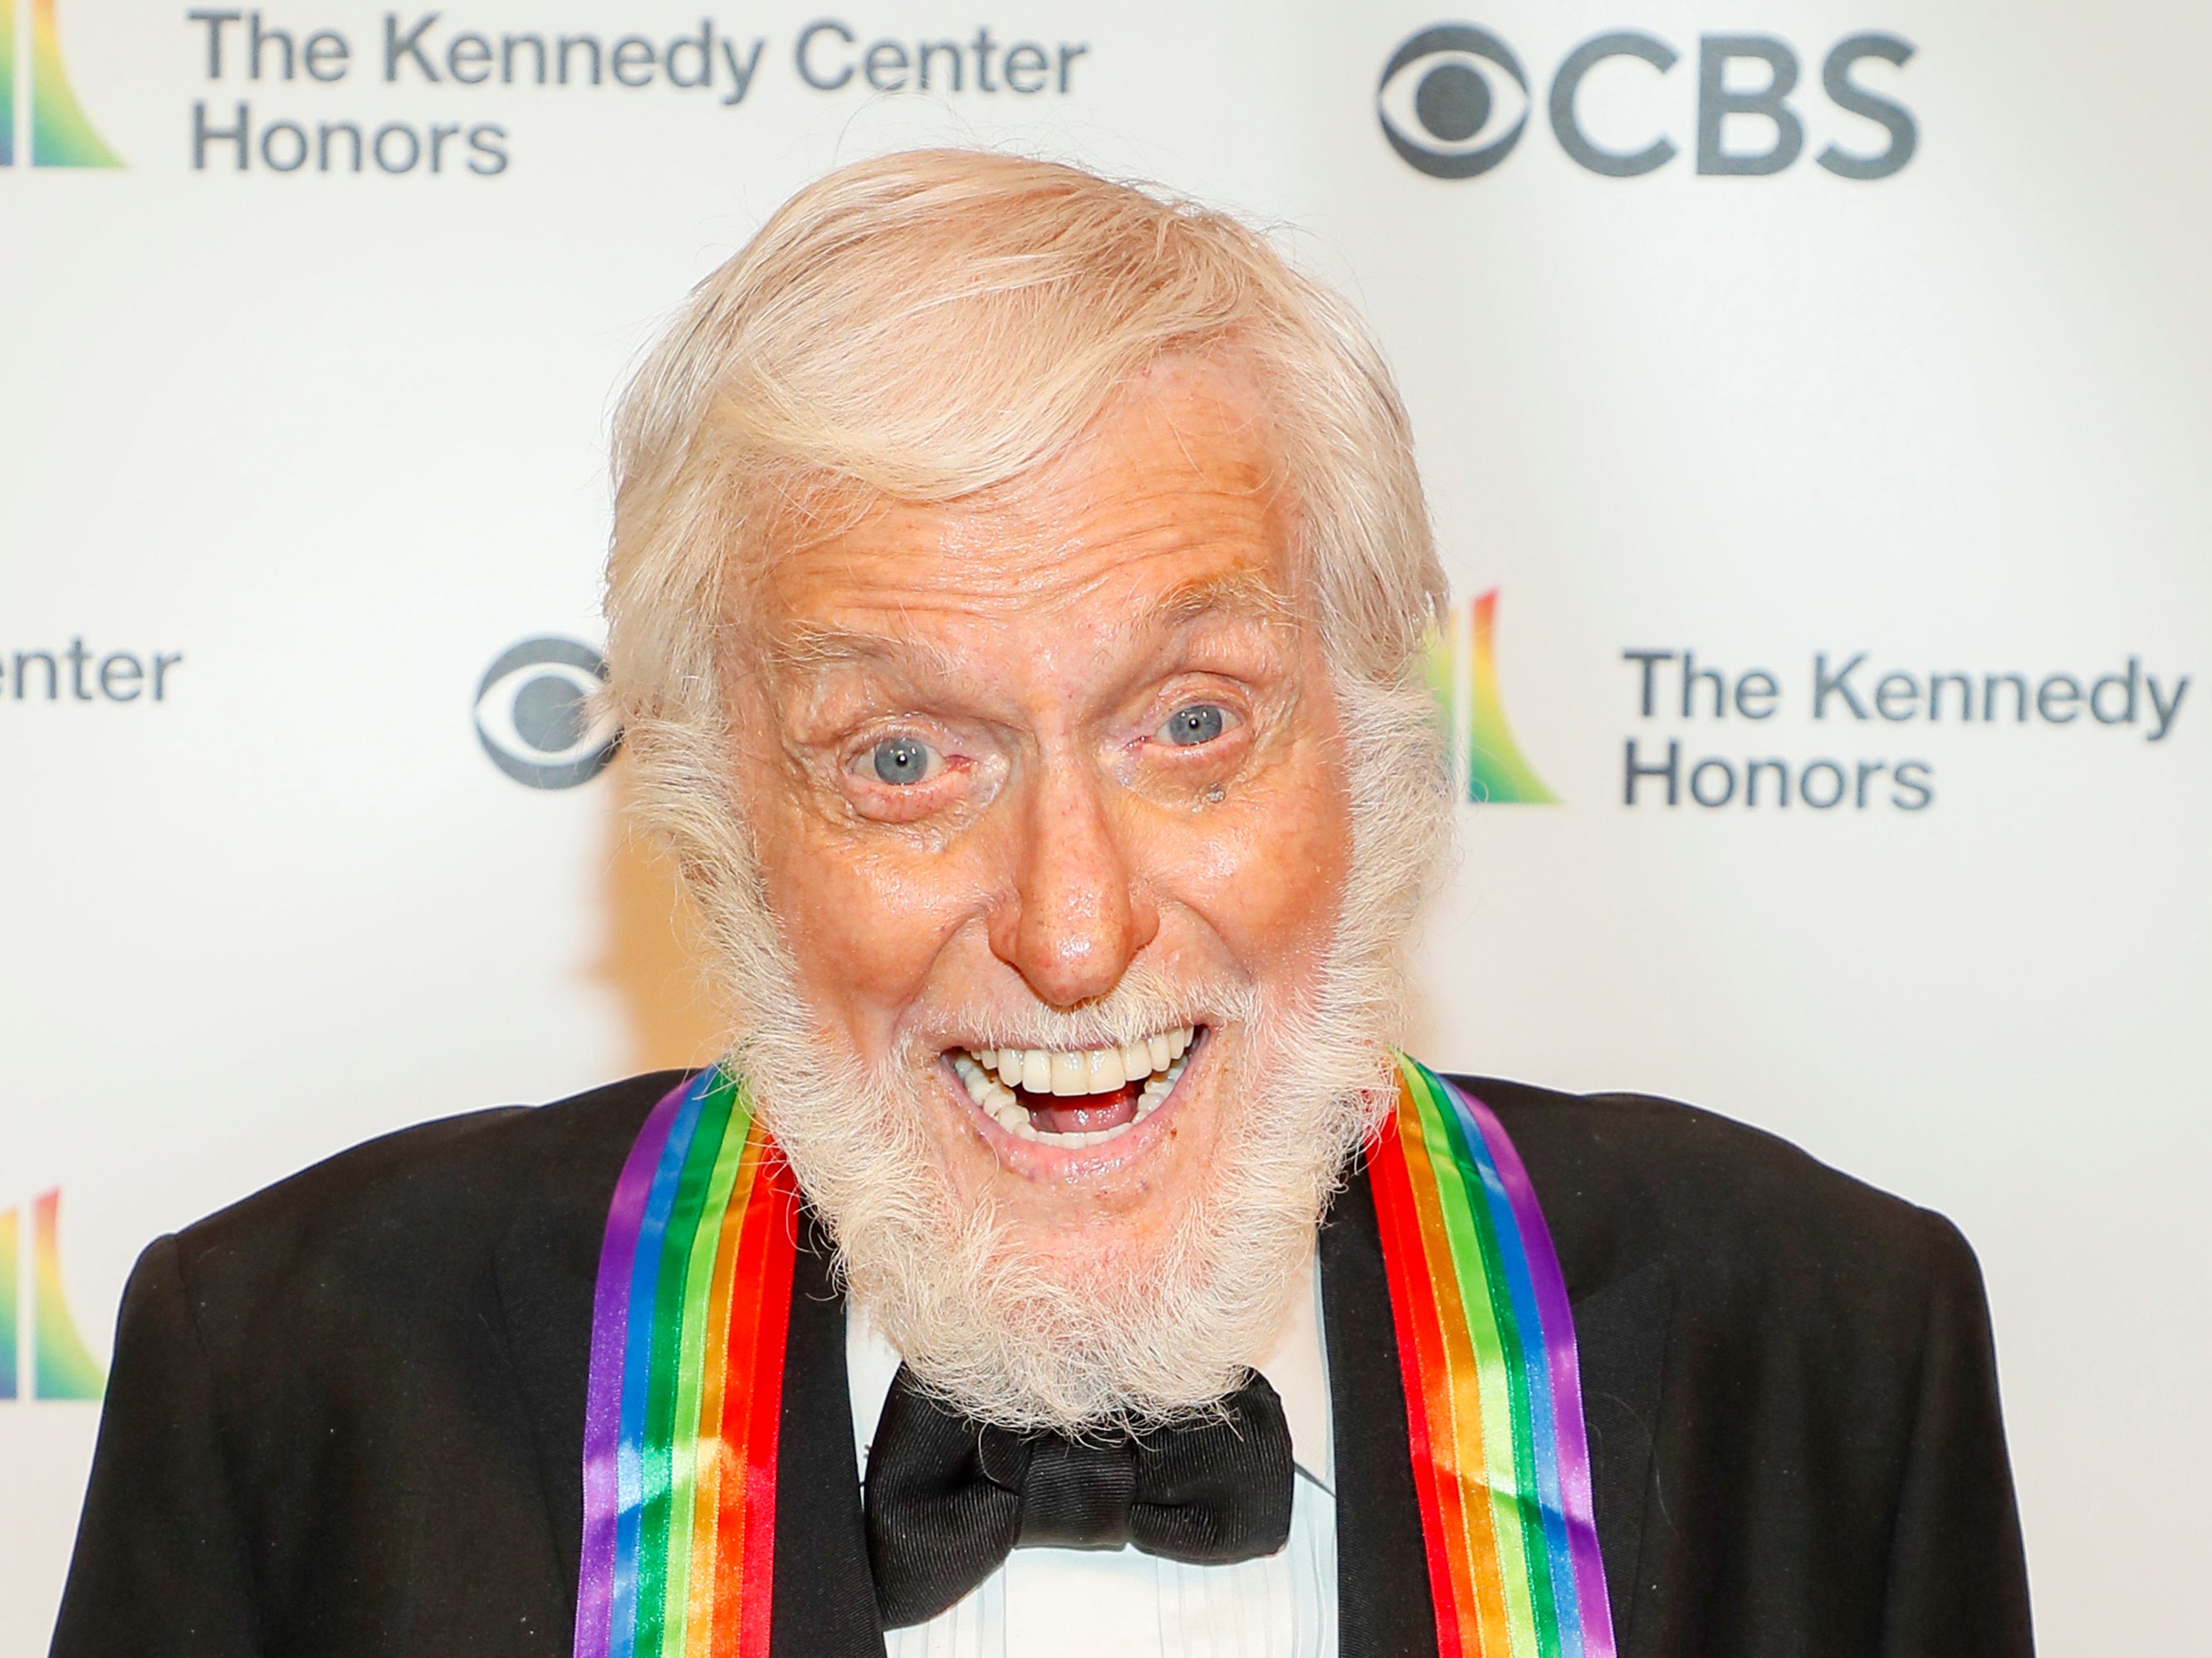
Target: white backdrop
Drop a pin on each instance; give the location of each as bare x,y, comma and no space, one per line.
333,440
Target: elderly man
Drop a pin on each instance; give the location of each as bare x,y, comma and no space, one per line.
1015,608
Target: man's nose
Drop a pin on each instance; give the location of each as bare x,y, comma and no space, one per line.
1077,916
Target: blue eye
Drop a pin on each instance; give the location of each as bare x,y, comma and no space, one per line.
1202,722
903,760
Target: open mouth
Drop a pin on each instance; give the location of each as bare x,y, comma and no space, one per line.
1073,1097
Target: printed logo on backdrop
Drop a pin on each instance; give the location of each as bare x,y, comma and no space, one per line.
536,715
79,674
1462,672
1454,101
307,113
1865,701
1860,721
42,1354
61,135
1445,109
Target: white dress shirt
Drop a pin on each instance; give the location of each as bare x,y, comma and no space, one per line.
1123,1603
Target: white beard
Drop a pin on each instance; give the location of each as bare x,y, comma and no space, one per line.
1129,1334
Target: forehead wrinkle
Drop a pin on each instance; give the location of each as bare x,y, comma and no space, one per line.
1247,595
810,651
813,649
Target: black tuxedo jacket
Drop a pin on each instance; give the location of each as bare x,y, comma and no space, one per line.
346,1415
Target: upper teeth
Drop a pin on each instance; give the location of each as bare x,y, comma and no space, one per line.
1082,1071
992,1074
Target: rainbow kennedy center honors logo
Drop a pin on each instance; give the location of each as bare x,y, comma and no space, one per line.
60,134
39,1340
1462,672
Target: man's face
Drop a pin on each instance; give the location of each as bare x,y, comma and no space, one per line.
1006,758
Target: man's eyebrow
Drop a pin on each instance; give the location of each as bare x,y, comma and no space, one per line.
811,647
1251,593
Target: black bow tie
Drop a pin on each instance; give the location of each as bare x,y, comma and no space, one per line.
949,1497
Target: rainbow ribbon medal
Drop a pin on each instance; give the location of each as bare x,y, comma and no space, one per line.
1493,1397
693,1304
686,1389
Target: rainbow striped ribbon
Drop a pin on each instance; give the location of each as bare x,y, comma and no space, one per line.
693,1303
686,1389
1493,1398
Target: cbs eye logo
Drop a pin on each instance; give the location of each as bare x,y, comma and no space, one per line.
1453,100
536,717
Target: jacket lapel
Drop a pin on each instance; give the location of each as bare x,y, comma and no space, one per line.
1620,1337
544,1280
825,1599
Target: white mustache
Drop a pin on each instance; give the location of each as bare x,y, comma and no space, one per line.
1143,1005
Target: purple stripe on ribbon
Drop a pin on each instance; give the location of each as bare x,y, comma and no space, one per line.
1513,1256
637,1376
1559,1336
603,1400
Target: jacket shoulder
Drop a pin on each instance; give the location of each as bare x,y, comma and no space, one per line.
1631,1181
348,1411
1789,1388
398,1222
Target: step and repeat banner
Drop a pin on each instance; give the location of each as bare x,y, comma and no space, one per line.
1813,397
